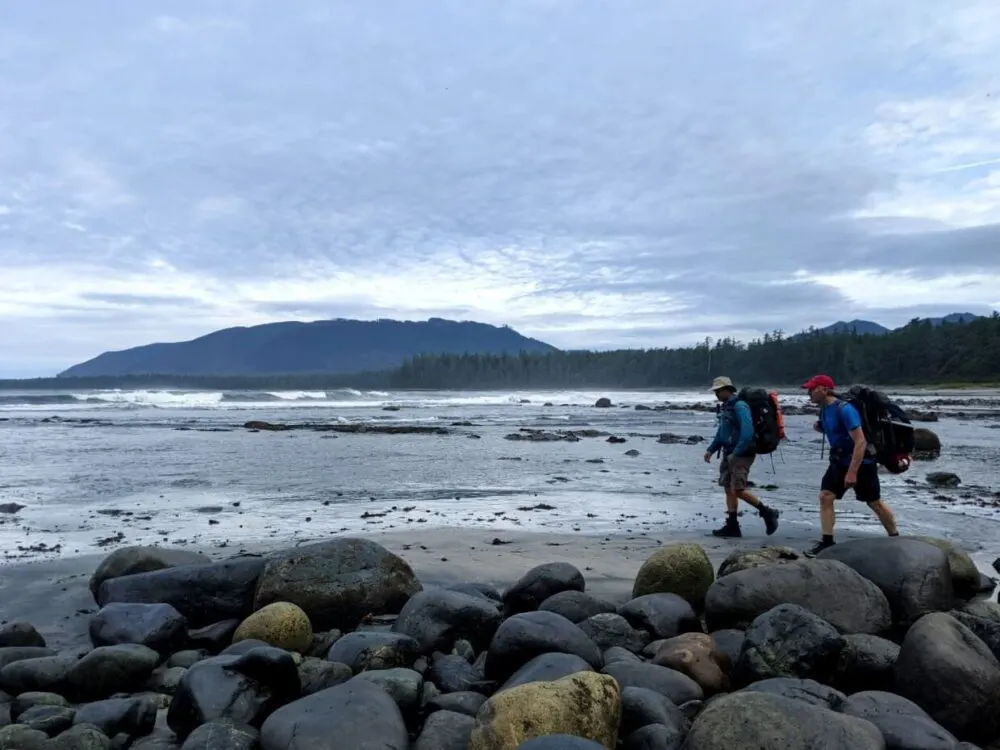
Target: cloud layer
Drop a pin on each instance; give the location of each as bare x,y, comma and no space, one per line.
596,174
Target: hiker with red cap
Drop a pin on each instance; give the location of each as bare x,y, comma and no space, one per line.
851,465
734,440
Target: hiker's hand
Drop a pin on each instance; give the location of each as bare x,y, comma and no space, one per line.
708,458
851,479
817,426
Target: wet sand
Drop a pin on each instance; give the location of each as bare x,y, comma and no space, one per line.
53,595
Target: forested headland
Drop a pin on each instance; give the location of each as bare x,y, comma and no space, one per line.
919,353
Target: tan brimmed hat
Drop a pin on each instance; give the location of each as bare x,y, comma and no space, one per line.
722,382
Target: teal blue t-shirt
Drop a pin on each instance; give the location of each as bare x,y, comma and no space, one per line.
838,420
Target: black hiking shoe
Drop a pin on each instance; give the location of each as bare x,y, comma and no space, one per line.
770,516
729,530
820,546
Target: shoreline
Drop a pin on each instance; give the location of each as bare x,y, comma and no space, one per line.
54,595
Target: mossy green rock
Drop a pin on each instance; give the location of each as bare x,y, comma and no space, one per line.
683,569
964,573
280,624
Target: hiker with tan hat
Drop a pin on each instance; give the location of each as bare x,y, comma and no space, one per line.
734,440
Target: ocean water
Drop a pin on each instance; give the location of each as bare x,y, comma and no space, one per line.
99,469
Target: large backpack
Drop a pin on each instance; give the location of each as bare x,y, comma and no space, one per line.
886,426
768,421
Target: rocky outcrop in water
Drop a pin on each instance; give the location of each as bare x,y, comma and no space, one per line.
874,644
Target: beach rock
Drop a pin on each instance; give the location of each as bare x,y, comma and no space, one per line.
338,582
616,653
27,701
281,624
547,668
453,674
697,656
244,689
965,576
670,683
729,641
319,674
464,702
132,716
586,705
49,719
44,674
745,559
951,674
903,724
242,647
642,707
20,635
866,662
405,686
480,590
603,403
204,594
215,637
187,658
560,742
158,626
12,654
793,688
437,618
984,609
661,615
789,641
926,444
609,630
524,636
108,670
750,719
538,584
357,714
987,630
165,680
576,606
374,649
827,588
445,730
941,479
21,737
222,735
682,568
914,576
654,737
86,737
126,561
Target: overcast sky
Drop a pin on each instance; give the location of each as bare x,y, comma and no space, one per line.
595,173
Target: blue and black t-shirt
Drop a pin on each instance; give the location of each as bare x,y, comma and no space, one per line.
837,420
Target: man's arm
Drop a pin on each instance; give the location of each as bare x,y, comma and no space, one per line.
852,421
717,440
745,421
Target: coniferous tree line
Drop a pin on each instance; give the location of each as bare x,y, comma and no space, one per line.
918,353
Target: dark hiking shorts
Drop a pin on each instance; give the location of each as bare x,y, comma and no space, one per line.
734,471
867,490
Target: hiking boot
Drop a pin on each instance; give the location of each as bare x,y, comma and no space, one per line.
729,530
820,546
770,516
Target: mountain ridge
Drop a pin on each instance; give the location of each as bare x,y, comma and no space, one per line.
331,346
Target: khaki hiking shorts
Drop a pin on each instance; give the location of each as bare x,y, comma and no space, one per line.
734,472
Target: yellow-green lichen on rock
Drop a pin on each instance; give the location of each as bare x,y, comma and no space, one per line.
964,573
585,704
281,624
682,568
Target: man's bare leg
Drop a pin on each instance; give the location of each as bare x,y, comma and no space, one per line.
749,498
884,514
827,515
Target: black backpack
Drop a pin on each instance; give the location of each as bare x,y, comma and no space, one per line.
886,426
768,424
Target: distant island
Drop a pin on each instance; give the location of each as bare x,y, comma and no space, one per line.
957,349
324,346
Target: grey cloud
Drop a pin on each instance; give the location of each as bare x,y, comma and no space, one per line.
654,148
142,300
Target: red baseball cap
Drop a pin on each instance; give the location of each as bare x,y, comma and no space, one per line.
818,381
